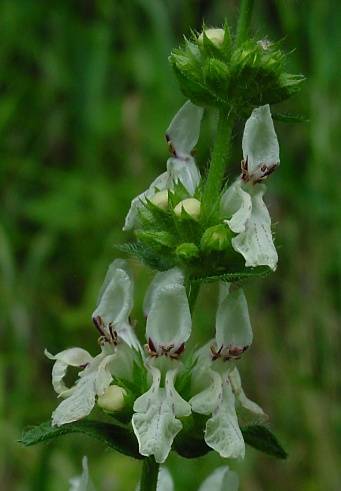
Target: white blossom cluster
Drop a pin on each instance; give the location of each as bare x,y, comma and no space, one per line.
215,384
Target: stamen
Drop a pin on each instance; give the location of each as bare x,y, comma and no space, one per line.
98,322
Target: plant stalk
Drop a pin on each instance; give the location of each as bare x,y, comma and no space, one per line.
244,20
194,288
220,155
150,472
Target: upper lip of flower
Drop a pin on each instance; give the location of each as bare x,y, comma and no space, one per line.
181,135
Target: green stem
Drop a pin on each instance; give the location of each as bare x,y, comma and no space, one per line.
150,472
220,154
194,288
244,20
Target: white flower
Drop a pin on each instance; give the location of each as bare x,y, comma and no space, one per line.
115,303
182,135
116,357
222,479
82,482
260,145
155,421
216,380
233,326
164,480
243,203
169,321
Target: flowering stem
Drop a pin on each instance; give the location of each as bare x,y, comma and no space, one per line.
244,20
194,288
220,154
150,471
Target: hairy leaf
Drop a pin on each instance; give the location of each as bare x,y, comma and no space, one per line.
259,272
261,438
115,435
189,445
290,118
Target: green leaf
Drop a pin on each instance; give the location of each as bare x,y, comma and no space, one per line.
115,435
289,118
148,256
263,439
259,272
189,442
189,445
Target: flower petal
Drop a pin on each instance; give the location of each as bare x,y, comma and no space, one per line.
222,479
164,480
222,431
116,301
233,326
74,357
82,482
160,280
260,144
92,381
184,129
251,413
169,320
186,172
256,243
159,184
207,399
154,421
236,203
180,406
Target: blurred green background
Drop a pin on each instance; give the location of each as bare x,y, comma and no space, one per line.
86,94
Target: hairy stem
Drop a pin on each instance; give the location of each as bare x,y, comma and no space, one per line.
244,20
150,471
220,154
193,292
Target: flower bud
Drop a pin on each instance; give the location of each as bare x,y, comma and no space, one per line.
216,74
216,238
216,36
187,251
113,399
160,199
191,206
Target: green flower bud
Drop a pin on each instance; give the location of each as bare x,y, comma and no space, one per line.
187,251
113,399
216,238
213,72
191,207
160,199
216,36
